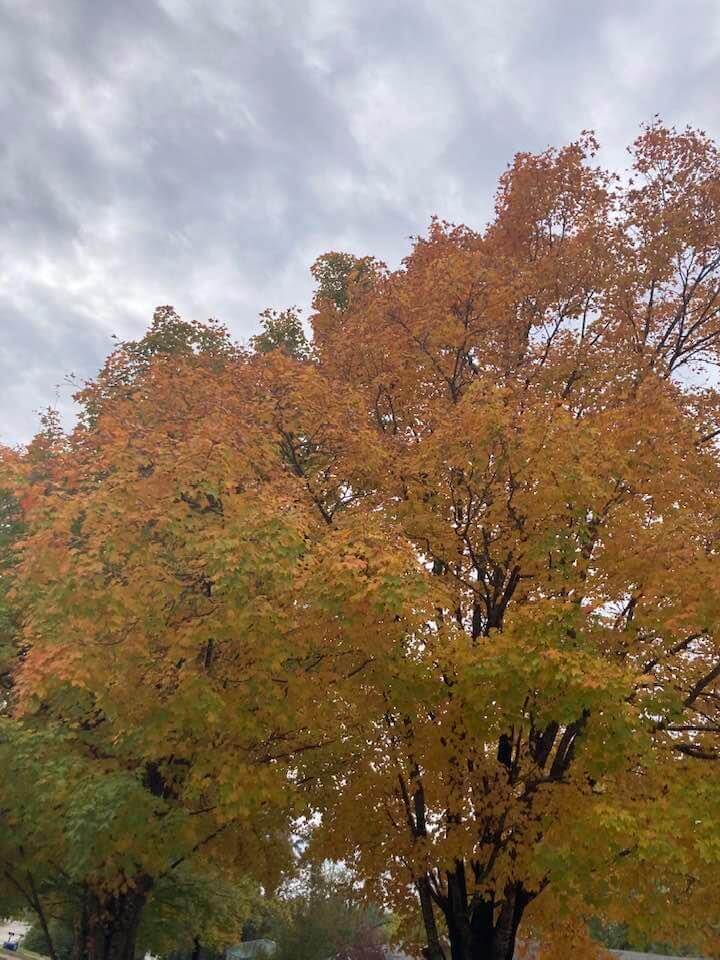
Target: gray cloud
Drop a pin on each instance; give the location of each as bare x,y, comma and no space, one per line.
174,151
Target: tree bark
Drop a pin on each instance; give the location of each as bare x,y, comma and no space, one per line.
481,928
478,931
39,910
508,922
109,925
80,929
434,950
458,916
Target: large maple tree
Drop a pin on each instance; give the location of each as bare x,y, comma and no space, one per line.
447,576
545,396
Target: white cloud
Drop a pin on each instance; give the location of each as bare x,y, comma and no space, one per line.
174,151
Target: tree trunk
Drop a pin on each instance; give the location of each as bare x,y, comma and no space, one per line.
39,909
478,931
109,924
30,894
458,918
433,951
481,928
80,929
508,923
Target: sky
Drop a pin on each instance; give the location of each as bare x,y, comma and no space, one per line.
202,153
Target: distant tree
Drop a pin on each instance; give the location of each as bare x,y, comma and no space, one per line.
61,932
340,276
328,919
282,331
200,911
616,936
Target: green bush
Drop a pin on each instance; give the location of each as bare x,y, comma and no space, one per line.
62,938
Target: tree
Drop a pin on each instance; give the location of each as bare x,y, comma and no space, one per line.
341,276
544,743
283,331
35,940
169,676
186,910
108,795
26,884
327,917
197,912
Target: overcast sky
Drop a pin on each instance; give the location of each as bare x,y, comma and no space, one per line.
203,152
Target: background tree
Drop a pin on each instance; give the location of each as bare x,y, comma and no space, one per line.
327,917
341,276
282,331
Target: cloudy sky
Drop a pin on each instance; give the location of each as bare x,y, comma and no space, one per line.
203,152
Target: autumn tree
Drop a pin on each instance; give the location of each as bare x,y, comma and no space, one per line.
107,796
543,397
27,883
169,674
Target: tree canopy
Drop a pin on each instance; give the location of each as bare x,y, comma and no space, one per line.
443,579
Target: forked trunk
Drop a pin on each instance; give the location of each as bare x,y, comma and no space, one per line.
476,929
